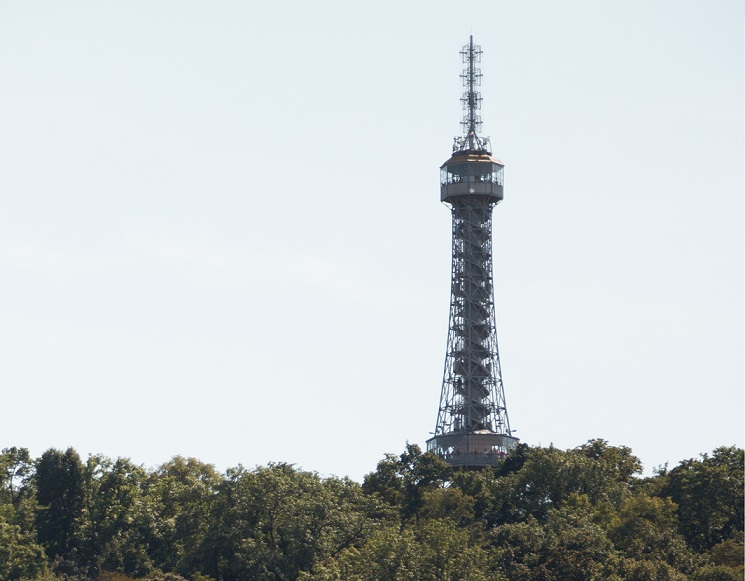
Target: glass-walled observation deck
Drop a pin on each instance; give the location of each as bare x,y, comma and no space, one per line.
472,173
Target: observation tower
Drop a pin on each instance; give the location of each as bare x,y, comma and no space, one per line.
473,429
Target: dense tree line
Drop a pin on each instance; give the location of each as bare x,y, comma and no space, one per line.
544,514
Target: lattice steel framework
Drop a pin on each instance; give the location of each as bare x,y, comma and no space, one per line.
473,428
472,392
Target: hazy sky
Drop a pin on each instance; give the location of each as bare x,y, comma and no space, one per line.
221,235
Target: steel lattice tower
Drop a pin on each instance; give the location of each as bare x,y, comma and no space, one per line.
472,429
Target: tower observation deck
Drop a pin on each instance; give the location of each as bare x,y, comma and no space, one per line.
473,429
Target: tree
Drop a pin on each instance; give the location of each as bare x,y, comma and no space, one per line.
390,553
20,556
276,522
109,525
447,503
728,553
437,550
646,529
61,494
387,481
17,497
569,546
575,546
477,485
709,495
725,563
539,479
546,478
517,548
618,461
402,481
717,573
16,468
178,502
450,553
514,460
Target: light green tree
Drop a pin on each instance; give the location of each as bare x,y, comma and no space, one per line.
111,536
178,501
275,522
20,556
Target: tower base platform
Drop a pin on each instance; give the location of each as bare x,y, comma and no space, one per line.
472,449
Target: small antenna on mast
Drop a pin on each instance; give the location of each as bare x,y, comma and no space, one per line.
471,101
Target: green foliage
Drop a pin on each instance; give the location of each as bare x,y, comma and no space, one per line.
113,576
16,467
709,495
729,553
717,573
645,529
449,552
567,546
447,503
615,463
386,482
113,496
517,547
725,563
167,577
436,550
61,495
420,472
20,556
389,553
548,477
177,504
18,504
545,514
402,481
274,522
633,570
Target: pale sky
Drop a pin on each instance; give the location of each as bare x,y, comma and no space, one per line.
221,235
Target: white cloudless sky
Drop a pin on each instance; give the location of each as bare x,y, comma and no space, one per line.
221,236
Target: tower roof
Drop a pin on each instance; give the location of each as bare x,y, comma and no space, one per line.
471,156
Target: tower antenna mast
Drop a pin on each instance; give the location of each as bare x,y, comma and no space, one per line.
471,101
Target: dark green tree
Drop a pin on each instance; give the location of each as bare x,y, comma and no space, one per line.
387,481
709,495
60,492
402,481
618,462
547,477
543,478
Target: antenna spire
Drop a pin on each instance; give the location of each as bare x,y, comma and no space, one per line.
471,101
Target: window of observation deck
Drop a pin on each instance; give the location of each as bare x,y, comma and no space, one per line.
472,172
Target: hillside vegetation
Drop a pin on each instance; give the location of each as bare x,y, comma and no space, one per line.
545,514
